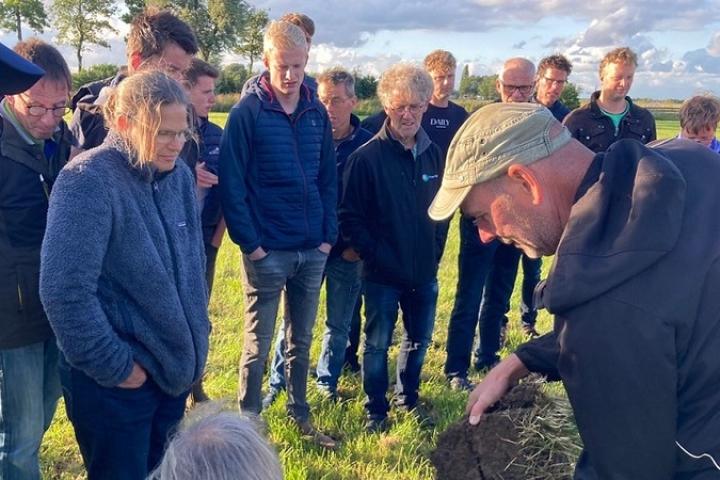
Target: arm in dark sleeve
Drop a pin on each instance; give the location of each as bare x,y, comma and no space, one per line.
441,233
235,160
78,230
328,185
355,209
88,126
540,355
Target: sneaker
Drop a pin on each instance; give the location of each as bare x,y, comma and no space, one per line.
311,434
529,330
461,384
376,425
270,398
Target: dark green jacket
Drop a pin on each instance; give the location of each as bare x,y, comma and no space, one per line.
26,178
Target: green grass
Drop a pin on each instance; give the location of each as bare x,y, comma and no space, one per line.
401,454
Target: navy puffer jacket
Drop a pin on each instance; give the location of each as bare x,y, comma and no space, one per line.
278,180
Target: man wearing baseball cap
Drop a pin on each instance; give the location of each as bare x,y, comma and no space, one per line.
633,287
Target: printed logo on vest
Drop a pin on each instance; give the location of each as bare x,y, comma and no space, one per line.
426,178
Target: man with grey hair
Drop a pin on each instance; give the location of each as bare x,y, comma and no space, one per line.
218,446
389,182
515,84
278,186
633,286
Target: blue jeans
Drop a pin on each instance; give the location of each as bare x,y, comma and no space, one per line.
496,299
299,275
351,352
474,263
29,391
418,315
121,432
342,289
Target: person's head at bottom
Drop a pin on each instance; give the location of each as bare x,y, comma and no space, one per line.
149,111
218,446
515,171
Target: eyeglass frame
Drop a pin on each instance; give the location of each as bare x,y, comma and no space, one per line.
521,89
65,109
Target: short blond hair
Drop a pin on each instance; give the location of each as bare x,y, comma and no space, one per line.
283,35
140,97
405,79
618,55
440,61
699,113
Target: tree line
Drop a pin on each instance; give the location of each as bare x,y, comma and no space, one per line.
221,26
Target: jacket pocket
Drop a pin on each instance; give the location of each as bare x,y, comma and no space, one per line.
28,292
596,137
638,131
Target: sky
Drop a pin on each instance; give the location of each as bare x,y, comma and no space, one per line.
677,42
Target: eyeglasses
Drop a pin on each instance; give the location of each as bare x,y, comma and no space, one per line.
551,81
167,136
38,111
413,108
334,101
522,89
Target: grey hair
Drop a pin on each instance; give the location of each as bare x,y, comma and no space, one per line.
218,446
517,63
338,76
404,79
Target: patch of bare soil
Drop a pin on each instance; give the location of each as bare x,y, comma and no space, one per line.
503,445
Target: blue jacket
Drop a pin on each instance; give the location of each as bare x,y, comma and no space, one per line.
347,146
278,180
123,270
210,136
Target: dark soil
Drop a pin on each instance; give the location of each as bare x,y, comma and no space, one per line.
489,450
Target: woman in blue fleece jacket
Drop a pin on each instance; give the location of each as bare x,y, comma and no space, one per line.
122,281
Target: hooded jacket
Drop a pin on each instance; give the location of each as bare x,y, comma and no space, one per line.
383,213
634,290
123,270
26,179
278,179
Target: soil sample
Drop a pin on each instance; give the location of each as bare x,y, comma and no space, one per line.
525,436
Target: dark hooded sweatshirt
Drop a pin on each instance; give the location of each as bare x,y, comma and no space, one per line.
634,290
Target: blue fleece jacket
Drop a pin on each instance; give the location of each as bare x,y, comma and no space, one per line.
122,270
278,179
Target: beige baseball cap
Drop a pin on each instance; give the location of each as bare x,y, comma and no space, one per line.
493,138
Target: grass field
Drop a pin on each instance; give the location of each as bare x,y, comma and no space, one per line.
401,454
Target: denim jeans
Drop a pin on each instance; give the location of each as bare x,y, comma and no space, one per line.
121,432
299,274
418,316
496,299
351,352
474,262
29,391
342,289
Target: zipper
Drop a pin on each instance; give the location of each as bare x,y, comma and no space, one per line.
20,298
45,186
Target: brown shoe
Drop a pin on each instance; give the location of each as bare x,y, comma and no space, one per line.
310,433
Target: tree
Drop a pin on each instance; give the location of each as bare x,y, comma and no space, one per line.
365,86
232,78
571,96
14,12
218,24
83,22
251,39
464,81
91,74
134,7
486,88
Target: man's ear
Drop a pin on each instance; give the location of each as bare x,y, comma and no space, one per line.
529,182
122,123
265,61
135,61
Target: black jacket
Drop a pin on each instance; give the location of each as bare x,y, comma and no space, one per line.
634,290
596,131
383,213
26,178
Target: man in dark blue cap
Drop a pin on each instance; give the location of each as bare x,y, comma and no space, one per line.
18,73
35,143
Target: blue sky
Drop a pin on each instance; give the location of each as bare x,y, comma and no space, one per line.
678,41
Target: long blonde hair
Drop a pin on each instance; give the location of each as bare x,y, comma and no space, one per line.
139,99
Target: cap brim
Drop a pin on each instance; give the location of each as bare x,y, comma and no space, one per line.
18,73
446,202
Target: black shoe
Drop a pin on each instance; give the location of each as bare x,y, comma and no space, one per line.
461,384
529,330
484,366
313,435
376,425
197,394
270,398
